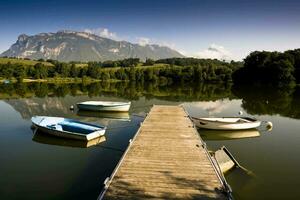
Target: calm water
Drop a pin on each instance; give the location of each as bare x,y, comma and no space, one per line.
43,167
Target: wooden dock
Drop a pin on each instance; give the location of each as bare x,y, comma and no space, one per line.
165,160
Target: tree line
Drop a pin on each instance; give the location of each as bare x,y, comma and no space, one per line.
263,67
259,67
167,71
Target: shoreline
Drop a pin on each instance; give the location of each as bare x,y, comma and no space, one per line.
60,80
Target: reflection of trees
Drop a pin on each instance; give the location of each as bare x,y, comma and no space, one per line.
269,100
295,104
40,89
61,90
255,100
128,90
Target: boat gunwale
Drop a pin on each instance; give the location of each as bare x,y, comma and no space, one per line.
100,128
104,105
223,122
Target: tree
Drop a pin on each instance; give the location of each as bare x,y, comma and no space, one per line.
40,71
20,73
149,62
74,72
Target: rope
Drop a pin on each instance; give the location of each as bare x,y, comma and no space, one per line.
111,148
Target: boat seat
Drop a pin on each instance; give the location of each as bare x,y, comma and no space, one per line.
76,127
55,127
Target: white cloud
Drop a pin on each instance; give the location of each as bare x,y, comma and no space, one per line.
143,41
102,32
212,107
214,51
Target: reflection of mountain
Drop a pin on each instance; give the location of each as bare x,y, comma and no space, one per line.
55,100
37,106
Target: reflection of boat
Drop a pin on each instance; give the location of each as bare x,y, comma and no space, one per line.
228,135
68,128
226,123
104,106
40,137
109,115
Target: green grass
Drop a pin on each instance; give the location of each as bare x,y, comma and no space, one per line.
81,64
21,61
137,67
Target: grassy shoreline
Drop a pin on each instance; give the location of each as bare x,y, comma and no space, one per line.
60,80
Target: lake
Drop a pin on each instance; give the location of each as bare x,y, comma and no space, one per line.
37,166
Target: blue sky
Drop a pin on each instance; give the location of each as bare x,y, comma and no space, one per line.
194,27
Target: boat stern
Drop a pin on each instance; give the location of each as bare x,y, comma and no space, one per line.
95,134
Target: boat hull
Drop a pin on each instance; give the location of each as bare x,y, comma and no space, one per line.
109,108
227,125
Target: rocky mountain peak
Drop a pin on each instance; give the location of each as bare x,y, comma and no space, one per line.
67,45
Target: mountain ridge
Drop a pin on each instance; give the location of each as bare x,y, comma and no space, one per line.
70,45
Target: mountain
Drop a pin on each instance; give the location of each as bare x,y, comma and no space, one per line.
82,46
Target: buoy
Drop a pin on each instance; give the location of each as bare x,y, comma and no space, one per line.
269,126
240,112
72,107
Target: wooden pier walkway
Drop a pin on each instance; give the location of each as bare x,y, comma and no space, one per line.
165,160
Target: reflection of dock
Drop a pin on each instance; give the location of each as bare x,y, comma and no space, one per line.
228,135
165,160
52,140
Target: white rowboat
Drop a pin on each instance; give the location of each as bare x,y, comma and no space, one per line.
226,123
104,106
68,128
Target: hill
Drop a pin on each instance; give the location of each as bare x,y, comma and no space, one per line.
23,62
82,46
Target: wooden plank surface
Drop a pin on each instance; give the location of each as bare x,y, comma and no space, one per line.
166,160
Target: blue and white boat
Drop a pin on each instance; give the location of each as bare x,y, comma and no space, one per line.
68,128
104,106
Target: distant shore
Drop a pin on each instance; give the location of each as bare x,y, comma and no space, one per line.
59,80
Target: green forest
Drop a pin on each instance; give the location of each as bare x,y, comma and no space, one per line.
167,71
269,68
259,67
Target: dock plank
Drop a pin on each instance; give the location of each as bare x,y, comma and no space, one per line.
166,160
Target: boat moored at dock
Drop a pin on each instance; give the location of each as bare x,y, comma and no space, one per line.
226,123
68,128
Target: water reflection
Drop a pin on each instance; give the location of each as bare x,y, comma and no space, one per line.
255,101
29,165
131,91
269,100
228,135
44,138
124,116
